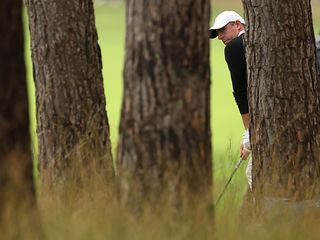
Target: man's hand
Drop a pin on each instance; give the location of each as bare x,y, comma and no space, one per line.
245,148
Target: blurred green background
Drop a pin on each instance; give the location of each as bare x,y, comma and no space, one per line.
225,119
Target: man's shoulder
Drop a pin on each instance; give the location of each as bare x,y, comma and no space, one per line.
235,43
235,49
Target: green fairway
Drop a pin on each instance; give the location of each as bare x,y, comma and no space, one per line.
110,21
225,119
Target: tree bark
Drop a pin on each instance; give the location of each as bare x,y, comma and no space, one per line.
17,193
284,98
165,137
73,130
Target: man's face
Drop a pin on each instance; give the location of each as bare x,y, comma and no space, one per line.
229,32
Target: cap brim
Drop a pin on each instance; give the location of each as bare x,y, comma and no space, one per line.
213,33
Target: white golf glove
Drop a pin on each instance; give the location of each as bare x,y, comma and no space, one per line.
246,140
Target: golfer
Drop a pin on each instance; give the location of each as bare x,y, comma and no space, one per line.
229,28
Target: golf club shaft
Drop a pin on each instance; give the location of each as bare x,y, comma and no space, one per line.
225,187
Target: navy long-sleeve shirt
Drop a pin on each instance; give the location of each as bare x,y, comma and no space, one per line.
236,60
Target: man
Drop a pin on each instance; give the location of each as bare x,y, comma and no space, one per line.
229,27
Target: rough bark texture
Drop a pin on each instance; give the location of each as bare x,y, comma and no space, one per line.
284,98
165,138
17,195
73,130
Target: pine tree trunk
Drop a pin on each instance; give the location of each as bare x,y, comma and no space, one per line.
284,98
165,138
17,193
73,130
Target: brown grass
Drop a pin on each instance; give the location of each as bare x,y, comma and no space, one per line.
93,212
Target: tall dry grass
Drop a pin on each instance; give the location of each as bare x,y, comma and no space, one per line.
92,211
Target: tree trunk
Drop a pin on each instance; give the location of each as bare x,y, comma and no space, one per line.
284,98
165,138
17,193
73,130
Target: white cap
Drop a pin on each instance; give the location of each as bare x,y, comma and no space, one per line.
223,19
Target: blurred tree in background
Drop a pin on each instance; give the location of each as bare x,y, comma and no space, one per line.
17,193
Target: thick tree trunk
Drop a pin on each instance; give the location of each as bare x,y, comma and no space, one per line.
284,98
165,138
17,194
73,130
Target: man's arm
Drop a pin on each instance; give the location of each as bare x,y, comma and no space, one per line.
245,147
246,120
235,58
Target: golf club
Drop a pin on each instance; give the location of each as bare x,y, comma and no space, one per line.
225,187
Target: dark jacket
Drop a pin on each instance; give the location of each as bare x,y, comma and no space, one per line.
236,60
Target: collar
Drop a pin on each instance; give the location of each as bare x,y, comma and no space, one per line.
240,33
